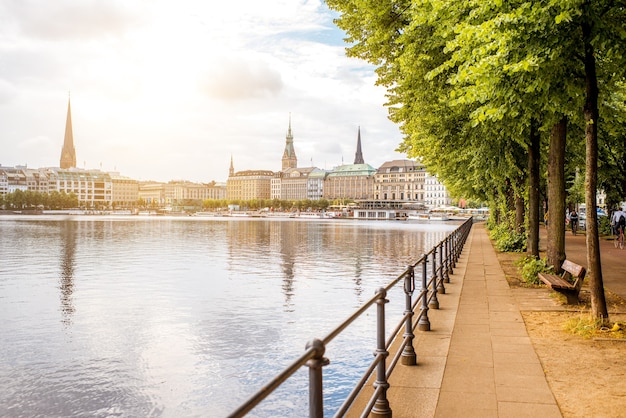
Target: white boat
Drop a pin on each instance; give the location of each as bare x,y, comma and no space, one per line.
205,214
310,215
428,216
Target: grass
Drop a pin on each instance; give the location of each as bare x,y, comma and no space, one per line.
586,326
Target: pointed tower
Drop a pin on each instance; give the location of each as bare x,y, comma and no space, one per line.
289,156
231,170
68,153
358,157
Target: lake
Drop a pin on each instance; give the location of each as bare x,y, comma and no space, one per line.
179,316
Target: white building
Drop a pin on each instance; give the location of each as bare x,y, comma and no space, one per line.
435,193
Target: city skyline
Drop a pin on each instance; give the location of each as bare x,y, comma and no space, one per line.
162,93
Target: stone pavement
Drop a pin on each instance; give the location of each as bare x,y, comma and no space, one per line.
477,360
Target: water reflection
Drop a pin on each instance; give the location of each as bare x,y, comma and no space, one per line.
68,247
287,247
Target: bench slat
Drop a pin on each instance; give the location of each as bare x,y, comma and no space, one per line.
555,282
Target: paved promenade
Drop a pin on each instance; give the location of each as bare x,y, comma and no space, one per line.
477,360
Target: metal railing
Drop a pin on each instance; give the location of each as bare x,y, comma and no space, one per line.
442,259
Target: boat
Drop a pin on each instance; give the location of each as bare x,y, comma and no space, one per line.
428,216
310,215
206,214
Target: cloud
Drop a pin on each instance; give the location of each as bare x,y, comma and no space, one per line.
69,19
239,79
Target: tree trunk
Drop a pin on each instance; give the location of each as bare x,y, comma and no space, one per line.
532,241
519,213
594,267
556,195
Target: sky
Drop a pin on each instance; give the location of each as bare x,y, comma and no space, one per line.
168,90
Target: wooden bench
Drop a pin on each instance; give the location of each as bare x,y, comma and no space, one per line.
563,283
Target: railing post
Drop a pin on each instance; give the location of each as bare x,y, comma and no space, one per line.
438,276
381,408
316,398
442,269
434,302
424,323
409,358
451,254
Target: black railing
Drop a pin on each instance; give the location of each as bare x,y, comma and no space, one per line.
442,259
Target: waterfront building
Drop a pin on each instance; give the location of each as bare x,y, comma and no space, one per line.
12,179
249,185
124,191
436,194
93,188
152,193
178,191
351,181
293,184
315,184
4,182
400,180
23,178
68,153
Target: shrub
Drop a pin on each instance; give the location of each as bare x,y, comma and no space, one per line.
604,225
530,267
507,240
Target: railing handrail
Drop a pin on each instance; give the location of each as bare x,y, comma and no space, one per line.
313,355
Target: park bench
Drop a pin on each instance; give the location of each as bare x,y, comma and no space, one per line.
563,283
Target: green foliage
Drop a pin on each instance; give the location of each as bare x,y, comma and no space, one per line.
529,267
604,225
31,200
506,239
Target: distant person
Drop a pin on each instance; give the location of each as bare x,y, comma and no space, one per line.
618,221
545,219
573,221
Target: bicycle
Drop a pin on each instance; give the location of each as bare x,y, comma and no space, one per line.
619,238
574,225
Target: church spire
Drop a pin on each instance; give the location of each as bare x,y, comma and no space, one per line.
289,155
231,170
68,153
358,157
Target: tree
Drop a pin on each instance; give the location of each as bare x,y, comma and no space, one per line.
473,83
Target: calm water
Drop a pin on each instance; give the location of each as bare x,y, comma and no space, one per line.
151,316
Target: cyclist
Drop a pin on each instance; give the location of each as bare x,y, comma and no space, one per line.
573,221
618,221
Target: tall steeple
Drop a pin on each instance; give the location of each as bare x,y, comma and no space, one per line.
68,153
289,155
358,157
231,170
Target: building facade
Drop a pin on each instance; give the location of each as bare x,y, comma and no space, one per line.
249,185
124,191
293,184
400,180
436,194
93,188
351,181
